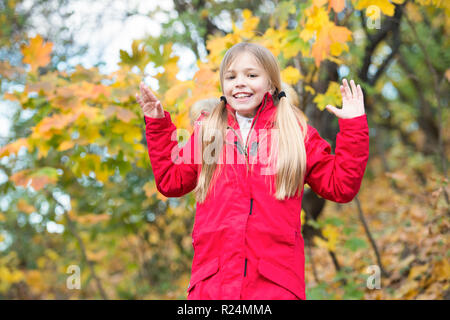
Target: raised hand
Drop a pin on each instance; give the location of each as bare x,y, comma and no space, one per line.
150,105
352,101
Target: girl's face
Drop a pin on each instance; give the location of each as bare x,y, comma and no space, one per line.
245,83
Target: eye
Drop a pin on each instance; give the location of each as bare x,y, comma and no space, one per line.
229,77
252,75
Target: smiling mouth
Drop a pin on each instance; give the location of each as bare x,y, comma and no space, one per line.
242,96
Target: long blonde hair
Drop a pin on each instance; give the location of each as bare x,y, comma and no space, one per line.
290,122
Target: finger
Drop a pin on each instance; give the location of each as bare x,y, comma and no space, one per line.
347,89
148,94
332,110
354,91
360,93
343,93
143,92
141,102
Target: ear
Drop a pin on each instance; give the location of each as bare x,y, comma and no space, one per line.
272,90
271,87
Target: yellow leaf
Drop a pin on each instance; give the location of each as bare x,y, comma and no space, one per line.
307,34
332,96
407,290
441,270
65,145
249,25
319,3
150,189
336,49
384,5
56,122
416,271
177,91
291,75
331,233
153,237
10,276
320,243
310,89
37,53
34,279
413,12
302,217
52,254
96,256
92,218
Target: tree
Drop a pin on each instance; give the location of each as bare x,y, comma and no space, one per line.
80,189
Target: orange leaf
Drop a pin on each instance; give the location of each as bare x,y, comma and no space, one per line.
13,147
92,218
37,53
121,113
23,206
37,179
319,3
337,5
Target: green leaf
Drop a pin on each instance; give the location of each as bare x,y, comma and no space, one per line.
355,243
334,221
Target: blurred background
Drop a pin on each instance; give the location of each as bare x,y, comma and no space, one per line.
80,216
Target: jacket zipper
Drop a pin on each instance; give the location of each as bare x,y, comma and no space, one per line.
245,268
246,158
245,149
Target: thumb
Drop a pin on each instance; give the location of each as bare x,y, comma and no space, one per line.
332,110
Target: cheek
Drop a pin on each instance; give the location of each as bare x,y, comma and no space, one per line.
227,88
262,87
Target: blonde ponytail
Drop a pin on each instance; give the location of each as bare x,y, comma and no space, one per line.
213,126
291,162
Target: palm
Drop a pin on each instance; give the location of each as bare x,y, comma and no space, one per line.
352,101
150,105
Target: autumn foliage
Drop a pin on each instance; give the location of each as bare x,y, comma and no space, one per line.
80,189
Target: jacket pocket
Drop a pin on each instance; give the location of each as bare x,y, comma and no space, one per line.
282,278
200,275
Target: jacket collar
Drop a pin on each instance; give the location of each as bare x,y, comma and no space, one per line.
264,117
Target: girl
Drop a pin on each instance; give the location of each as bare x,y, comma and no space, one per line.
246,236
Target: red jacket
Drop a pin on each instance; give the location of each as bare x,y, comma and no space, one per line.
247,244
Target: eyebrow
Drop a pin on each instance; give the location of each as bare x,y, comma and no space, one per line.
246,69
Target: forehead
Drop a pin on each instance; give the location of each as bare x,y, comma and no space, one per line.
244,61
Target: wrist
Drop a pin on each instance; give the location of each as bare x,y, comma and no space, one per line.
154,115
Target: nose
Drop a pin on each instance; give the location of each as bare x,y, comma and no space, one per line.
240,81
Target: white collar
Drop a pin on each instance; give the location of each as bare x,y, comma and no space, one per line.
239,117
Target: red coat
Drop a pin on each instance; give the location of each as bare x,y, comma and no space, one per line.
247,244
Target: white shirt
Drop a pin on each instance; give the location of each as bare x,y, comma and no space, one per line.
244,124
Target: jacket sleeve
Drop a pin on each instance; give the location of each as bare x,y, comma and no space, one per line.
175,169
338,177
